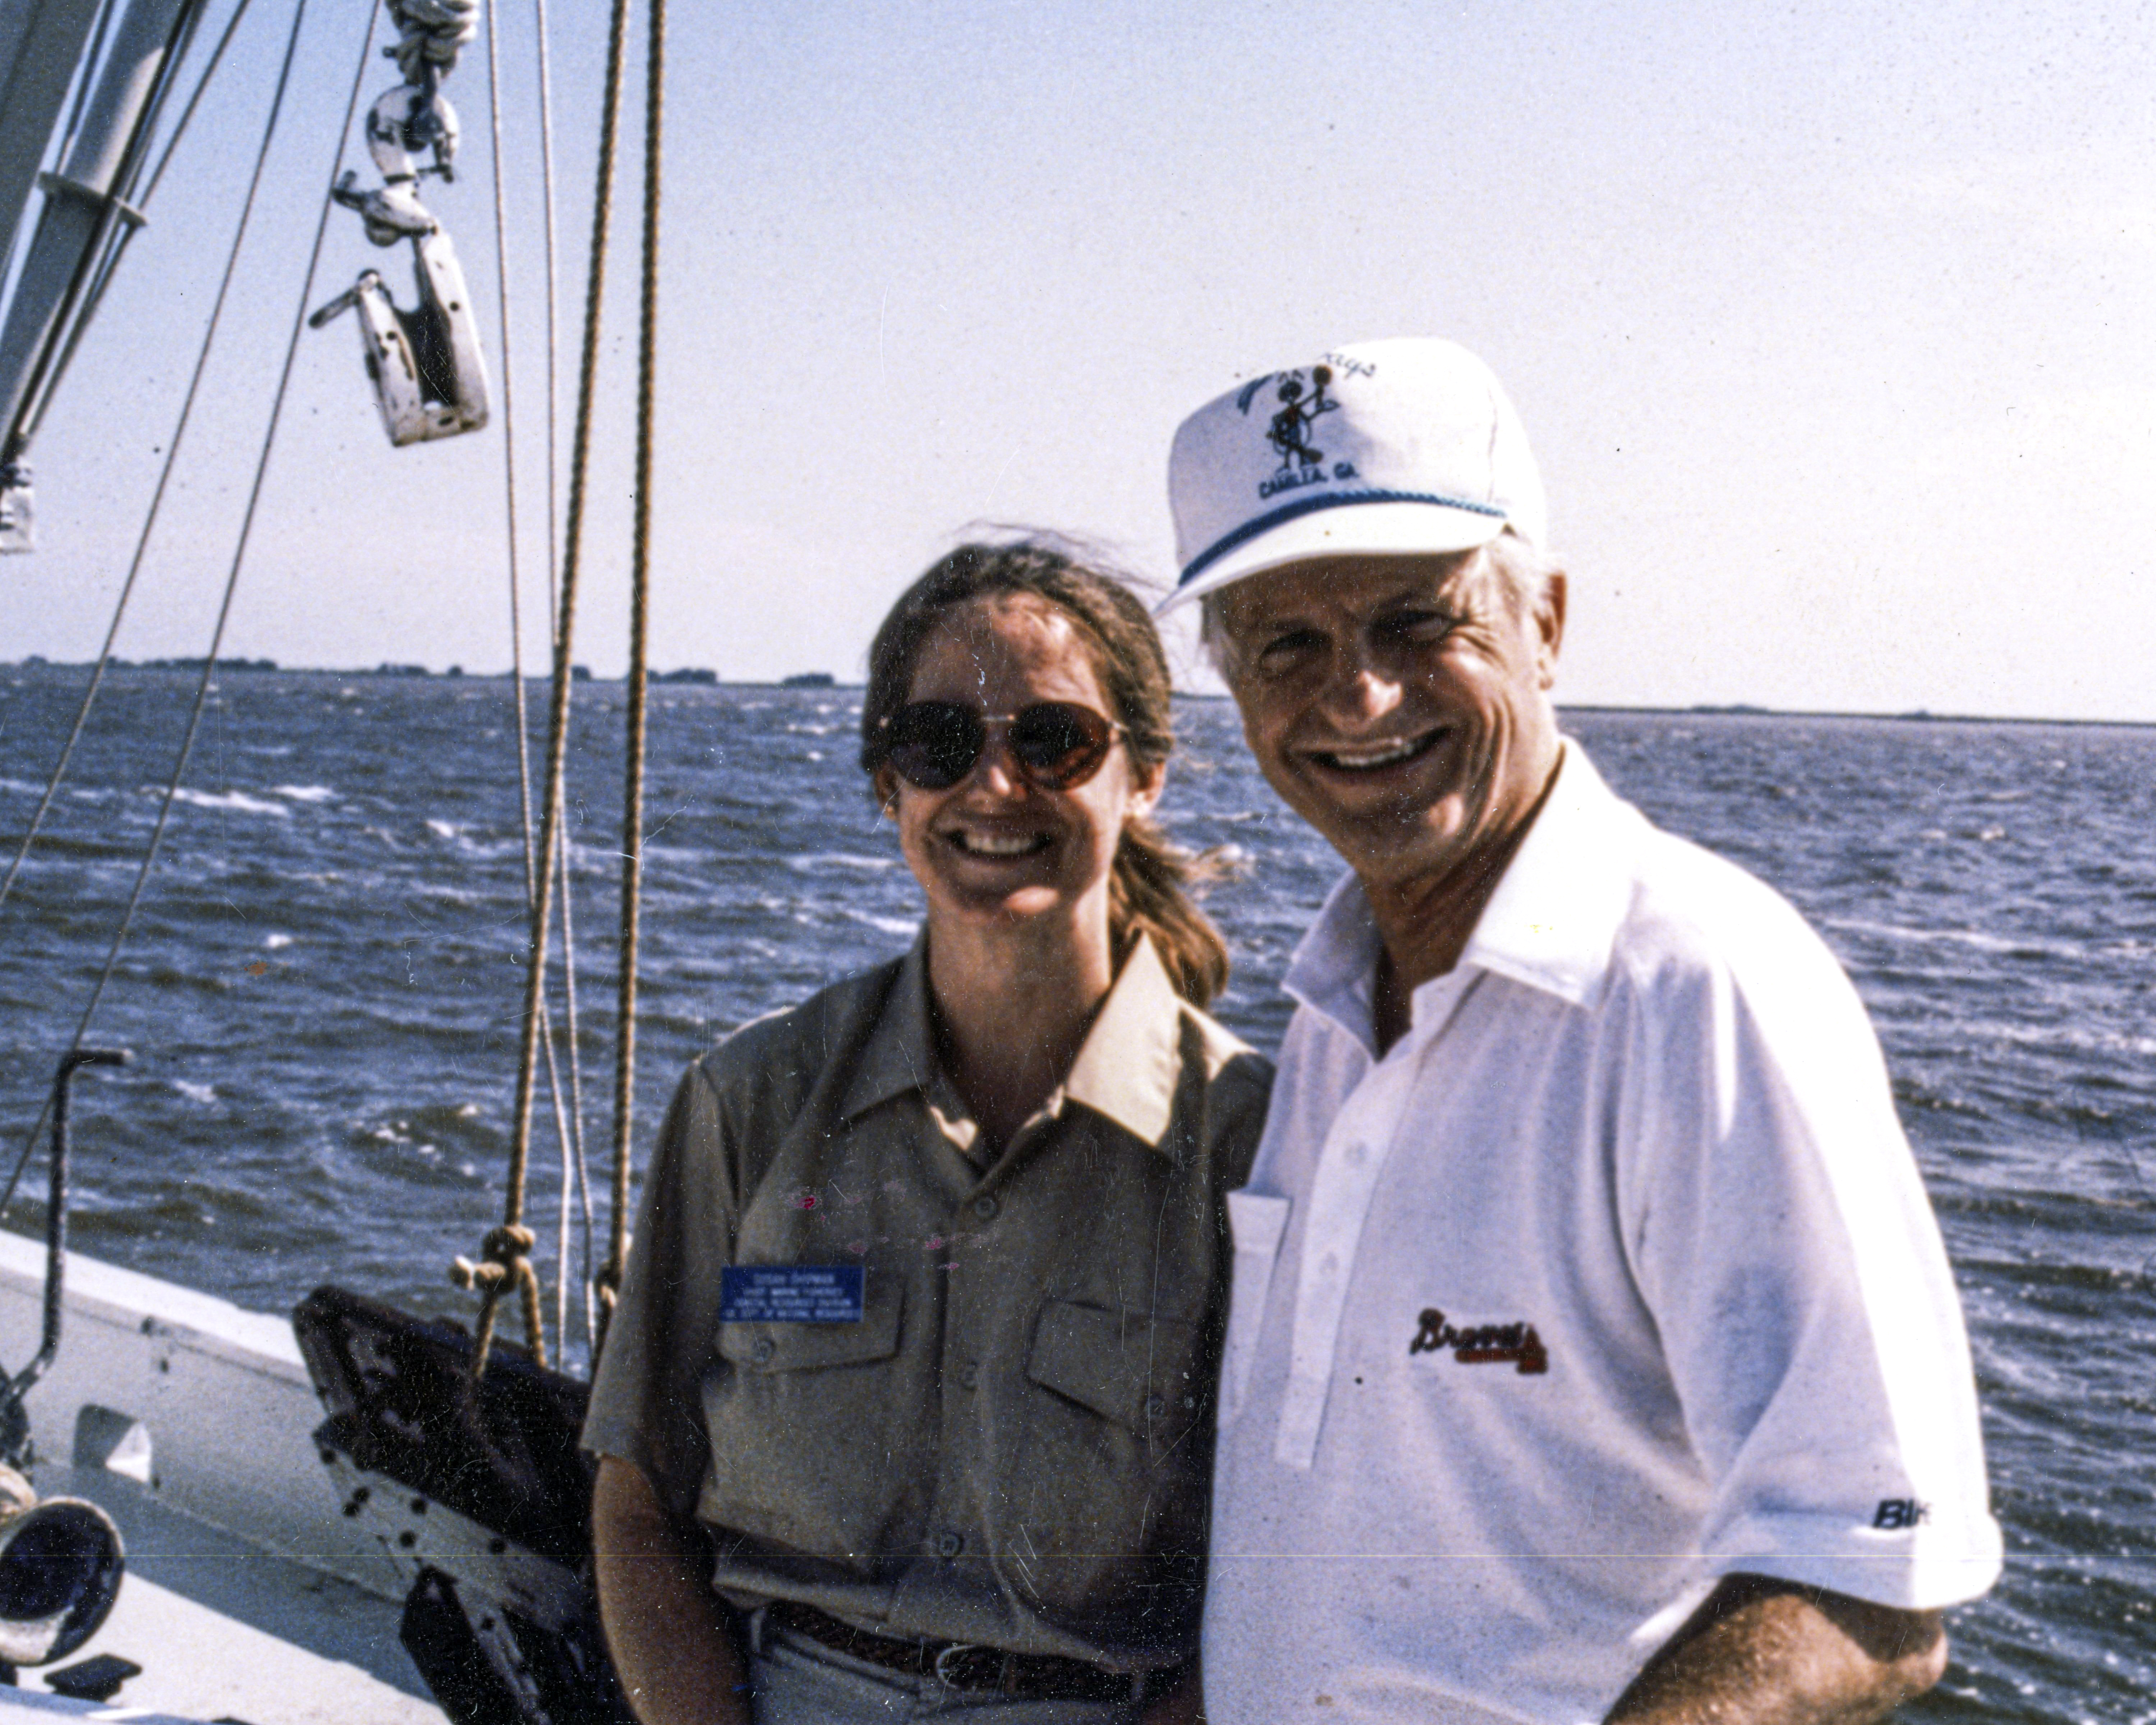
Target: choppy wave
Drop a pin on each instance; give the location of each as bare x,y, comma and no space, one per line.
326,985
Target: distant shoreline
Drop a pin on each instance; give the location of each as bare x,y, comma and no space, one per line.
699,677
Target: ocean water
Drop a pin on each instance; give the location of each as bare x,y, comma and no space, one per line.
324,980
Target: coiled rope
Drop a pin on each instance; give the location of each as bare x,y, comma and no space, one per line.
254,495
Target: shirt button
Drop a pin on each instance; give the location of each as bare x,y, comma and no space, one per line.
970,1378
949,1544
984,1206
763,1350
1155,1405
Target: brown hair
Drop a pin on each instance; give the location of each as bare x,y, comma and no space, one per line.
1147,884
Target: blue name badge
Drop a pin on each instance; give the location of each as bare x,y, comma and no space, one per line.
790,1294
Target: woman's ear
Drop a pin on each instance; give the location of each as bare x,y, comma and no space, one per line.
1145,789
884,782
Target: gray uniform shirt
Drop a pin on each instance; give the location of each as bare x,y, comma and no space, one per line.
1014,1446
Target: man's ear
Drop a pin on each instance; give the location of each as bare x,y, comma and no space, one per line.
1549,626
885,782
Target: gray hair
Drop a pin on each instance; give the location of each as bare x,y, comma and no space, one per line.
1524,567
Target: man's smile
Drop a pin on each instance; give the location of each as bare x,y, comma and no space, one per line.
1376,755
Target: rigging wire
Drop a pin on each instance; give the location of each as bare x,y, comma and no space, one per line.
239,553
110,261
76,306
632,818
502,1242
531,862
581,1167
85,78
164,477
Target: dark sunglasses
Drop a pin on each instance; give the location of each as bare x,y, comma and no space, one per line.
1058,745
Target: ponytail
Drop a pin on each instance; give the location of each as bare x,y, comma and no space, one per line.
1148,895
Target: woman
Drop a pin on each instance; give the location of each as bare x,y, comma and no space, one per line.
972,1477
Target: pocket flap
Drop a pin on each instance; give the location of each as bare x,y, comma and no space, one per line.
803,1347
1256,1220
1135,1367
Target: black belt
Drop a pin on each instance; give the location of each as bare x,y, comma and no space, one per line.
967,1665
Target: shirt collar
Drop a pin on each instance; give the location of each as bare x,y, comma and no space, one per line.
1132,1057
1127,1068
1554,916
900,1054
1550,924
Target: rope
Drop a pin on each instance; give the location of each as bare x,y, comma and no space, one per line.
156,501
573,1162
557,733
239,553
632,823
531,863
194,101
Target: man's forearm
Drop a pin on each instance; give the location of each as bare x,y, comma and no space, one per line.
672,1645
1766,1652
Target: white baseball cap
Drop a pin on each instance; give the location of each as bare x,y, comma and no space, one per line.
1395,447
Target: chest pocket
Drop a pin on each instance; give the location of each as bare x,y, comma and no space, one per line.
1135,1367
789,1415
772,1348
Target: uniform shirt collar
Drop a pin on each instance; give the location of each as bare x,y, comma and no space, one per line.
1551,924
1127,1068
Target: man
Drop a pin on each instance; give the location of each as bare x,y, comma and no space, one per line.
1592,1353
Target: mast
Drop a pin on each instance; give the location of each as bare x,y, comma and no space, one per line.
85,203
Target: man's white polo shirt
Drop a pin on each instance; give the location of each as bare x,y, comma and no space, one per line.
1615,1275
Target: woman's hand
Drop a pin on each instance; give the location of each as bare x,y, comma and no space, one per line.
671,1639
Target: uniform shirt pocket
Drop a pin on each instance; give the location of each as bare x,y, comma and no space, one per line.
1257,1221
767,1347
790,1412
1135,1367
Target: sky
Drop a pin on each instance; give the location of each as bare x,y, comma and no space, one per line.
1834,329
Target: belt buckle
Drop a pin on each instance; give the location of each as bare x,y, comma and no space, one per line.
950,1650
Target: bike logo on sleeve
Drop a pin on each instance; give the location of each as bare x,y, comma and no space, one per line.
1482,1344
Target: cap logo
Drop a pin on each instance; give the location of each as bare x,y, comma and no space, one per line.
1301,462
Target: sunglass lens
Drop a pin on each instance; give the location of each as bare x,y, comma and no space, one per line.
934,743
1060,745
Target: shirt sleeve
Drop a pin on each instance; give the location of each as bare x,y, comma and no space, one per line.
1790,1256
646,1404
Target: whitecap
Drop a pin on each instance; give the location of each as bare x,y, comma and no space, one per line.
442,828
276,942
1974,938
902,926
239,801
204,1094
816,862
305,793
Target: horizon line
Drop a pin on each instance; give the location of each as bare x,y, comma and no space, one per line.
697,676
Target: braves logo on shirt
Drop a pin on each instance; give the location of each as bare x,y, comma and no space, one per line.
1482,1344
